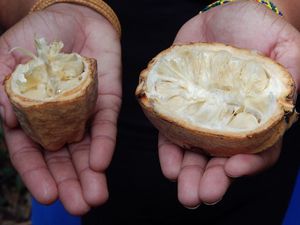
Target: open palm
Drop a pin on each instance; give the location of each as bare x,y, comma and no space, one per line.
68,174
243,24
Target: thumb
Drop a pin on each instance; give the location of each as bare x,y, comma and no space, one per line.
6,111
287,53
192,31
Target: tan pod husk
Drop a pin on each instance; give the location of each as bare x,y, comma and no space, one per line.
61,120
55,123
183,131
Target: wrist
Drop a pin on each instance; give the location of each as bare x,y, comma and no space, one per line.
268,3
98,6
11,11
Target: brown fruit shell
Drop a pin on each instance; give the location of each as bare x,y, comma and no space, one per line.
61,120
218,143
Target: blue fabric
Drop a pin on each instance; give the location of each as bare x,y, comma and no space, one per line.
292,216
53,214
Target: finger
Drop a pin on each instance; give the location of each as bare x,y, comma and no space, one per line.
104,126
286,52
6,111
193,166
26,157
94,186
214,182
244,164
69,189
104,132
170,157
7,64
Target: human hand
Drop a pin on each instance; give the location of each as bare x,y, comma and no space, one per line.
244,24
70,173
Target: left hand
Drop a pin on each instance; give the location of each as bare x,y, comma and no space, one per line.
76,173
244,24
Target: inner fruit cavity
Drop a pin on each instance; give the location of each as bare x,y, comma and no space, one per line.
50,73
212,89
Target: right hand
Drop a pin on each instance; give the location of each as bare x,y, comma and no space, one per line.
244,24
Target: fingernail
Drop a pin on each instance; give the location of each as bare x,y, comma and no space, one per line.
212,203
193,208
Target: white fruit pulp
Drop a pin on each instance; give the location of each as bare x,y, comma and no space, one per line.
214,89
50,73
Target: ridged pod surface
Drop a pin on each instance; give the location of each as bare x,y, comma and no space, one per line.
53,95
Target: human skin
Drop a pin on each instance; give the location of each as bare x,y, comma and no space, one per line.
76,173
13,11
244,24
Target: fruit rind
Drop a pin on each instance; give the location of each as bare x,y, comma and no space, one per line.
220,143
56,122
